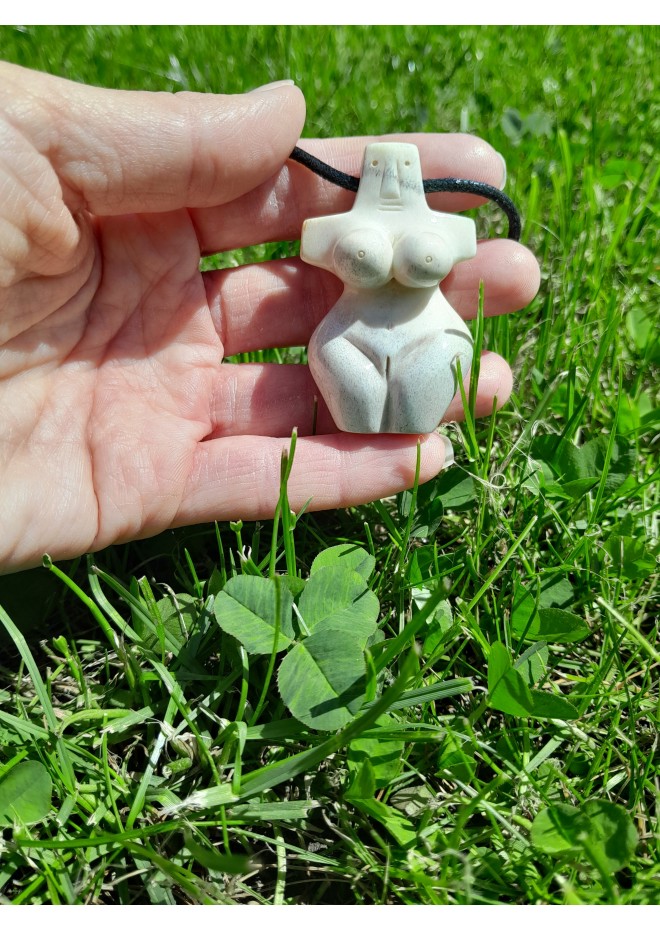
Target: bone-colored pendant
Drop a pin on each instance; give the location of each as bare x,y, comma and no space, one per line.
384,358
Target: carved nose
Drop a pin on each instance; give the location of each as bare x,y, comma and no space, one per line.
389,186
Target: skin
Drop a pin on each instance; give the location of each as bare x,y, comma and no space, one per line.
118,419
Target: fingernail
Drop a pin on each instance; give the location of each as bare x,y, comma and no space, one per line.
449,451
503,181
273,86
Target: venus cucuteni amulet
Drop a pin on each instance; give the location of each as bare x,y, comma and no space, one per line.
384,358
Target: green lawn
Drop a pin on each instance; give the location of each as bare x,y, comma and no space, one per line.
155,746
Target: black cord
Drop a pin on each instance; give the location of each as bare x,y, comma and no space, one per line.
431,186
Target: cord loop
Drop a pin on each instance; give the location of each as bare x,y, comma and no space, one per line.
431,186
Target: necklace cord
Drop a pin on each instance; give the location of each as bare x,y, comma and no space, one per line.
431,186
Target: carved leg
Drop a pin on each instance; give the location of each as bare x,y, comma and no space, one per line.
351,385
419,391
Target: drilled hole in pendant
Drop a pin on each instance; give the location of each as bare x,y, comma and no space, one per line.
374,163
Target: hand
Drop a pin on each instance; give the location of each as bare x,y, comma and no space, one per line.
118,419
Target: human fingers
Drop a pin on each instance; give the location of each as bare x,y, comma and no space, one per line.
280,303
122,152
277,209
238,477
510,274
495,384
272,400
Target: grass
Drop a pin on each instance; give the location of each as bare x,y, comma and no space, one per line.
512,755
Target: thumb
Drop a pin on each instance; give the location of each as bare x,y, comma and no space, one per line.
118,151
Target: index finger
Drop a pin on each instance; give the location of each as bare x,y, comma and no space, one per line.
276,209
128,151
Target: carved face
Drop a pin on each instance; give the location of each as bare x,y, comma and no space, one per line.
391,178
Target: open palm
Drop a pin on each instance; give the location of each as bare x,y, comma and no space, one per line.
118,418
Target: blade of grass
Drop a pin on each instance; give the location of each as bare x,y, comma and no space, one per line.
19,641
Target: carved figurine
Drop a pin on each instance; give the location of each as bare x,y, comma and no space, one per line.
384,357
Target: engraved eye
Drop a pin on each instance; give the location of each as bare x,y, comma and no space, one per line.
363,258
421,260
